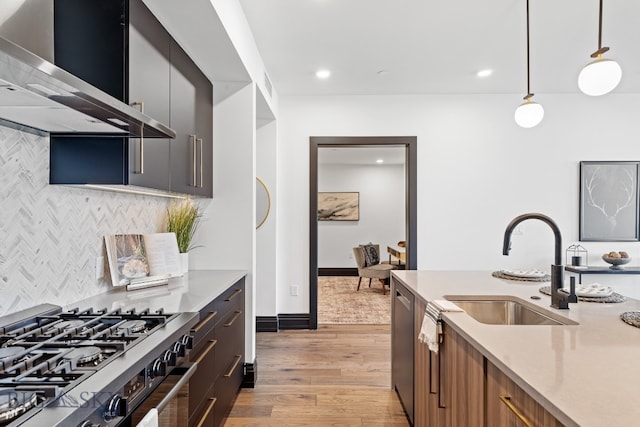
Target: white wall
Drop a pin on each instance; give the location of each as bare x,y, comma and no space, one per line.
227,234
476,171
51,235
266,167
382,211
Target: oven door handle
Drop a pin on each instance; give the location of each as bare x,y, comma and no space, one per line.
176,388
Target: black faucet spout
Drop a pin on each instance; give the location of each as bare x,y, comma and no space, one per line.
558,299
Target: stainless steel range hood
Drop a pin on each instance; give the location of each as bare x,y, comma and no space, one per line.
37,94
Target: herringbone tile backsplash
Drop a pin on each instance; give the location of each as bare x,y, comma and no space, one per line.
51,235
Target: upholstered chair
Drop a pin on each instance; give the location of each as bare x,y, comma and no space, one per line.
382,272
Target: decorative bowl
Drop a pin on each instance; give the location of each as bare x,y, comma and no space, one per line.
616,263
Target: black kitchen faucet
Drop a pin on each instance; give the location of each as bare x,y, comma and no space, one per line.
558,299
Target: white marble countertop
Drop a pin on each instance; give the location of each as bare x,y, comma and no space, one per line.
586,374
190,293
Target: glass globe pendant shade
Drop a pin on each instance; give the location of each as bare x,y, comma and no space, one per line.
599,77
529,114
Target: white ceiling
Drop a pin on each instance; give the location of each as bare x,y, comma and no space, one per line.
436,47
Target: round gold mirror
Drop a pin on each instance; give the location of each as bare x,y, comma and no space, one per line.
263,202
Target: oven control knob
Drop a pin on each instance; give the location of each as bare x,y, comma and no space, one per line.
157,369
115,408
187,340
178,348
169,357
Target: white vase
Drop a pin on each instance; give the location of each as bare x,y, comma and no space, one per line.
184,261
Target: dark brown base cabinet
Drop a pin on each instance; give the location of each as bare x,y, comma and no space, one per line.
457,386
218,349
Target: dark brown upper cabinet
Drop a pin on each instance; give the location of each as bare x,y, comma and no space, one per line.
121,48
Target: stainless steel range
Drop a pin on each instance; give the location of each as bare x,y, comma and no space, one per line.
85,367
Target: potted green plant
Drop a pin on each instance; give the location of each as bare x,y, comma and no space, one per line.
183,219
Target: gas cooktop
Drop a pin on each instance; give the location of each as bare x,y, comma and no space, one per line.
45,354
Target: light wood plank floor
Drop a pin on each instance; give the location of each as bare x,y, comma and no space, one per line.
338,375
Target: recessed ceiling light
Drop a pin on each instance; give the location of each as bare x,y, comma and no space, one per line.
484,73
379,161
323,74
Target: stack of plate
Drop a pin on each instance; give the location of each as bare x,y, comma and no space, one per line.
524,274
594,290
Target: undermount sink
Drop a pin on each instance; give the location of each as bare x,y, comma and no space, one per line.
506,310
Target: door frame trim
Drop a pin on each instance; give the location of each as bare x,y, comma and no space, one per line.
411,146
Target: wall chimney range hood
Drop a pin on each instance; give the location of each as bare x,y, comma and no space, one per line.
37,94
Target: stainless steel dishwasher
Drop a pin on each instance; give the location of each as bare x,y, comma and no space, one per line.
402,339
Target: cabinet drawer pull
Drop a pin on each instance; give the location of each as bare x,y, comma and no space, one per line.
233,319
235,365
506,399
433,378
212,403
201,155
205,321
193,138
234,294
140,140
441,382
212,343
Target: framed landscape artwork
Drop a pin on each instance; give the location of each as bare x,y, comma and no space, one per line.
609,201
338,206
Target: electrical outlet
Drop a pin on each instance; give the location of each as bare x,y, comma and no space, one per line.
99,267
294,290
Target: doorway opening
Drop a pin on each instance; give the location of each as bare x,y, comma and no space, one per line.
409,145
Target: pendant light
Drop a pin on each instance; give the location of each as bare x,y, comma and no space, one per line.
602,75
529,113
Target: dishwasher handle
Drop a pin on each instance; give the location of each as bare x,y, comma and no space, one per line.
403,300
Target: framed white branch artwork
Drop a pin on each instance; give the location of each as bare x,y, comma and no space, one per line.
609,201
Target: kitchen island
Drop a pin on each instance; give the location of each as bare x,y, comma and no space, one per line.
586,374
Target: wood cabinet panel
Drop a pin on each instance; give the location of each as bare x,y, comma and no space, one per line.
505,400
427,382
463,389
